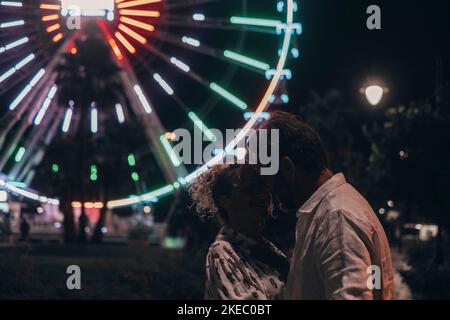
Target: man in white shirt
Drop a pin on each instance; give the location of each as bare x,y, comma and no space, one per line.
341,250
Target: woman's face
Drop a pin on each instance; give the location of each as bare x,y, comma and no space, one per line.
250,200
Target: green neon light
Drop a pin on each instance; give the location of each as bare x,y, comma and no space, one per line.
246,60
176,161
55,168
94,171
199,124
20,153
229,96
131,160
135,176
255,22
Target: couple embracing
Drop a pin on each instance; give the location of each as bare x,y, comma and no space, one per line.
339,239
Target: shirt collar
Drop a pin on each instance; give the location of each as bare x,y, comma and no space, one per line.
334,182
230,235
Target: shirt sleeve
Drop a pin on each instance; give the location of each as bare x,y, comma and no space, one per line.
342,258
227,277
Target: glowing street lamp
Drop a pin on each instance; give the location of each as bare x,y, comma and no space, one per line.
374,94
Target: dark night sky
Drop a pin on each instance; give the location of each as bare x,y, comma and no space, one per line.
339,51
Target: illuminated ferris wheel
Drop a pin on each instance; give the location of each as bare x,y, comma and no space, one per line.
189,64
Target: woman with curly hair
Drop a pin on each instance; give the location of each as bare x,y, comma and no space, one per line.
241,264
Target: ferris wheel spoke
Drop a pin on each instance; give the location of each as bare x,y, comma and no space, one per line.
11,4
174,62
14,69
224,93
151,122
171,4
29,32
197,123
39,149
27,95
200,21
226,56
34,137
21,74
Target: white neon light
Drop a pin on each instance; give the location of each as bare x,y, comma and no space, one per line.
120,114
143,99
10,24
167,88
67,120
151,196
180,64
18,66
27,89
88,8
3,196
191,41
45,105
148,197
198,17
25,193
16,43
19,190
25,61
94,120
11,3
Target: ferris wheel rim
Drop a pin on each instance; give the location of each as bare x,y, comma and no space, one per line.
263,105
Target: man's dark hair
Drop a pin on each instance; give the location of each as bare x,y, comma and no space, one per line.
299,142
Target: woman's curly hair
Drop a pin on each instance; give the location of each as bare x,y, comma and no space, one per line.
208,187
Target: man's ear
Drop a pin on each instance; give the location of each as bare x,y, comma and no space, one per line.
287,168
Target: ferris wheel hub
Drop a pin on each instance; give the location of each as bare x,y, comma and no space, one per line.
88,8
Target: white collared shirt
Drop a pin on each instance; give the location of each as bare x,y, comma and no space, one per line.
338,239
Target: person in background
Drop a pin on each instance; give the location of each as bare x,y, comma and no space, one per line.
24,229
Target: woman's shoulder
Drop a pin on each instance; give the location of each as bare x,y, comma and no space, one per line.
221,248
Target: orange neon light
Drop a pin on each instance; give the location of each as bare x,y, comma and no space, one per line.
50,17
47,6
138,24
136,3
58,37
76,204
116,49
53,27
132,34
140,13
125,42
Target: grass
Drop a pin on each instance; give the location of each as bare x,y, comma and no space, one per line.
107,272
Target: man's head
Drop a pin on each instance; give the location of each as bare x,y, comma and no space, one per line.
303,160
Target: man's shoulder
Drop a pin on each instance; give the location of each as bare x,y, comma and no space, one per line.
346,201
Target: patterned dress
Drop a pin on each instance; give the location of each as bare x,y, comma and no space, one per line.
240,268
